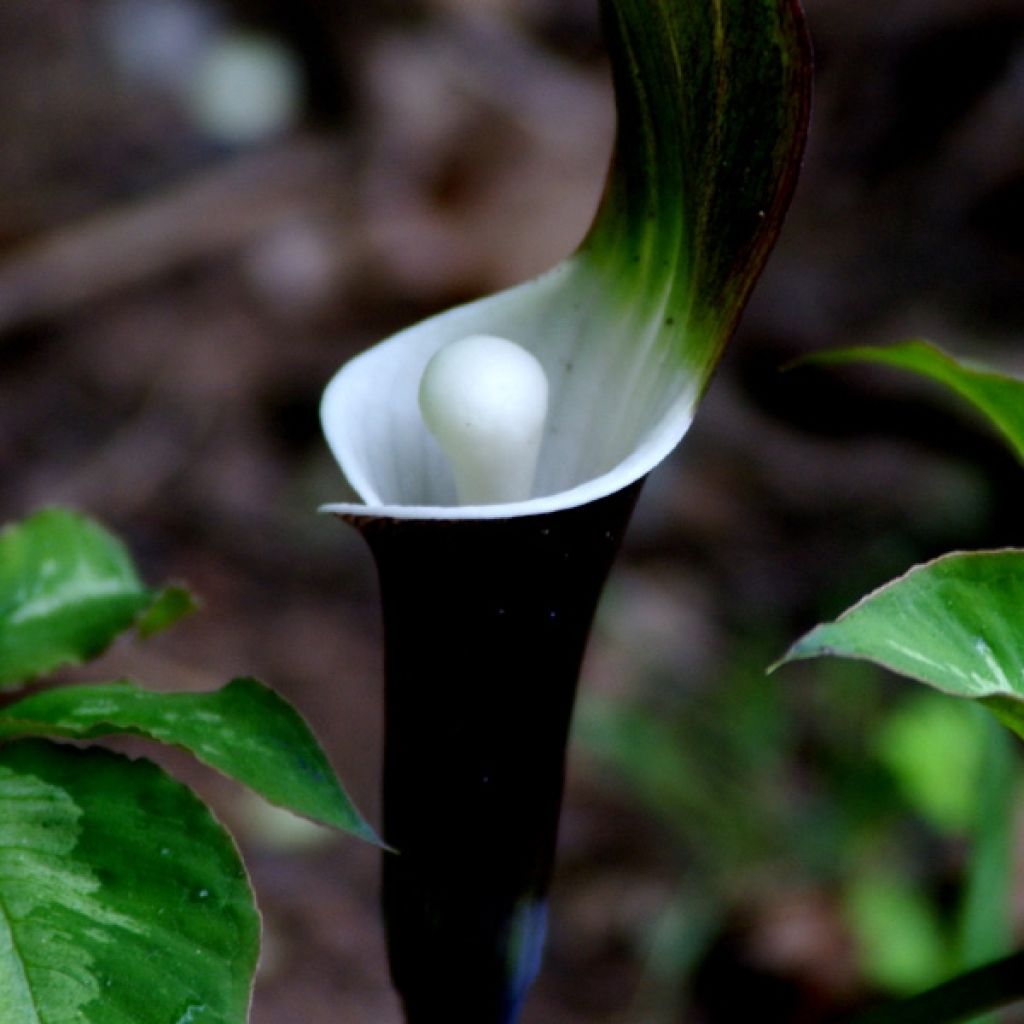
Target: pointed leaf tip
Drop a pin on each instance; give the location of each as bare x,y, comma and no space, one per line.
244,730
998,397
953,624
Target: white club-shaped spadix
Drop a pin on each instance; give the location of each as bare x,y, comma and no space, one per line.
485,400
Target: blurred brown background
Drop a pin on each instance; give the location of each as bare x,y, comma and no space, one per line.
207,205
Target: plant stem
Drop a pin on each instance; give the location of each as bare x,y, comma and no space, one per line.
978,991
985,926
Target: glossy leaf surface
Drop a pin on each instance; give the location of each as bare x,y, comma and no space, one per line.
999,397
712,102
67,589
956,623
121,900
244,730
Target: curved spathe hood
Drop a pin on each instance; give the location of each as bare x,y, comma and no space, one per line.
630,327
603,431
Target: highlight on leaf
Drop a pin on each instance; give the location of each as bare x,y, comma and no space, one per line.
122,899
954,624
244,730
68,589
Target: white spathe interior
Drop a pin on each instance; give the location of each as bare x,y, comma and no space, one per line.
619,402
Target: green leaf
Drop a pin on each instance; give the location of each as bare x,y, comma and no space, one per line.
690,776
713,99
956,764
244,730
169,606
986,925
999,397
898,932
122,901
956,623
67,589
934,747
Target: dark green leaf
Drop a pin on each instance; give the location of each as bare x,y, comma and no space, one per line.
956,624
244,730
121,900
997,396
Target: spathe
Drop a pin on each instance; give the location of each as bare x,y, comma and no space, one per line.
713,100
487,608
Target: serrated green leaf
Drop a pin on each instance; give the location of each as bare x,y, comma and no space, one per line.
244,730
122,901
956,623
999,397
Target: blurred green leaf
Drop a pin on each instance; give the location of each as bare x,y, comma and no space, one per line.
955,764
691,773
122,901
956,623
934,747
997,396
986,925
646,752
67,589
169,606
900,938
244,730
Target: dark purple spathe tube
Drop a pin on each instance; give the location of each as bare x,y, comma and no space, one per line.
485,625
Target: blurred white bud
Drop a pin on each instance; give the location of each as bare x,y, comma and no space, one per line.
248,88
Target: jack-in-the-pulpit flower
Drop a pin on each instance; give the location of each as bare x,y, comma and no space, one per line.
497,450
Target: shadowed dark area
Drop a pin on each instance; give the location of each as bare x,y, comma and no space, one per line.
485,625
